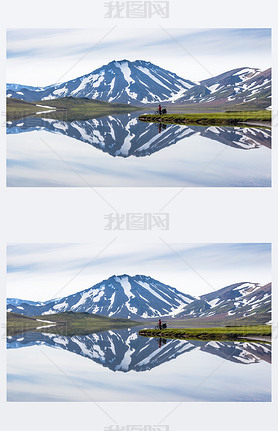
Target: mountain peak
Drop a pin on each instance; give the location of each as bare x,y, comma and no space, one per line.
141,82
118,296
125,60
119,276
113,62
120,81
139,297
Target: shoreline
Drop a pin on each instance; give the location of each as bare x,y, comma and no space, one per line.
258,123
258,333
233,119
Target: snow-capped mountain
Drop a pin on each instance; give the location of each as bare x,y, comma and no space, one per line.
142,297
241,300
237,86
119,81
124,135
125,350
142,82
17,301
118,296
17,87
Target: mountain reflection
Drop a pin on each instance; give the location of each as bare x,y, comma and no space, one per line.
124,135
125,350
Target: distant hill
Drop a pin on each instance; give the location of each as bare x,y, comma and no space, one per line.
66,108
66,323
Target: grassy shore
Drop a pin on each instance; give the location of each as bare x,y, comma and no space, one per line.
68,323
82,108
67,108
210,118
17,323
19,109
224,333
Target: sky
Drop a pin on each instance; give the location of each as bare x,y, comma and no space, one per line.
46,271
42,57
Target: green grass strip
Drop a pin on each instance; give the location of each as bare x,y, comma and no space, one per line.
210,118
223,333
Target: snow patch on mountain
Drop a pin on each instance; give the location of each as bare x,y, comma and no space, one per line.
140,296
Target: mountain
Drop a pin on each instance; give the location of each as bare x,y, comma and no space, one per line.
236,302
237,86
124,135
142,297
16,301
16,87
118,296
141,82
119,81
124,350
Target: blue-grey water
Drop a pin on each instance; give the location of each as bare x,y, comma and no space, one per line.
120,365
119,150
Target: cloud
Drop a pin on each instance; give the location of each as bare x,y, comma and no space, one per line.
42,271
40,56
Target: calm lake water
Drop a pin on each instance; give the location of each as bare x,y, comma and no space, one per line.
121,151
120,365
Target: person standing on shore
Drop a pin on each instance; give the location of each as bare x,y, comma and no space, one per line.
159,109
159,324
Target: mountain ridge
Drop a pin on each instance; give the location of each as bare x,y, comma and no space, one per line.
142,297
142,82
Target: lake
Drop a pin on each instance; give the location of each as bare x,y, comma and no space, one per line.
120,365
121,151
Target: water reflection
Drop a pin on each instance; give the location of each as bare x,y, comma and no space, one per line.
161,126
161,341
121,151
124,135
125,350
120,365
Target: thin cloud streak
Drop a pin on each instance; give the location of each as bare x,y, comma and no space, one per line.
38,56
37,271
